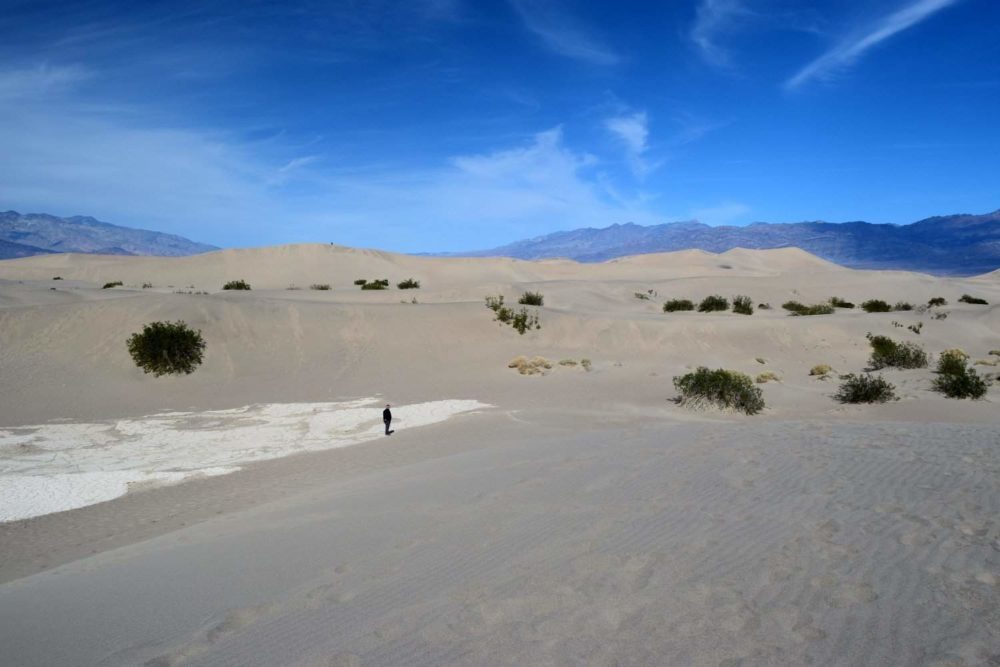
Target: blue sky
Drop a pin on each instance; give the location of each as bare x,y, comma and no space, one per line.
462,124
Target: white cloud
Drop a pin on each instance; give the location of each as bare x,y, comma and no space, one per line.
40,81
713,18
633,131
852,48
558,32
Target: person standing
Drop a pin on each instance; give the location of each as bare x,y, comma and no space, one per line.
387,418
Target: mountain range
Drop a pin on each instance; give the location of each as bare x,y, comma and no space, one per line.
23,235
947,245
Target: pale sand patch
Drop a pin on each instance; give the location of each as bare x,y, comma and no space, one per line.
57,467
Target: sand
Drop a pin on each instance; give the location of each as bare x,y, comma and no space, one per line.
570,517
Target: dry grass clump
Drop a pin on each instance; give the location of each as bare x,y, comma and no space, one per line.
995,353
822,370
116,283
760,360
322,287
567,362
937,301
902,305
642,296
586,364
533,366
721,388
767,376
532,299
236,285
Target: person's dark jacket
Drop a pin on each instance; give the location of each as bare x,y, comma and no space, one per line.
386,415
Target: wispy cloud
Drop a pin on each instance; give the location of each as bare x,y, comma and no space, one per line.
561,33
853,48
712,19
633,132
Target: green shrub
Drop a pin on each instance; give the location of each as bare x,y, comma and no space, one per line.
888,353
236,285
956,379
523,320
713,303
677,304
937,301
116,283
902,305
531,299
375,285
57,278
165,348
723,388
360,281
865,389
837,302
323,287
965,298
742,305
494,303
147,285
876,306
409,283
799,309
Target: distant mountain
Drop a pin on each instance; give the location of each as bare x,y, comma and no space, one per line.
23,235
955,244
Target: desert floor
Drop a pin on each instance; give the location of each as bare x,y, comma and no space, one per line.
575,517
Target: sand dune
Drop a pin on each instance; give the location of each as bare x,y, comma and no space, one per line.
584,518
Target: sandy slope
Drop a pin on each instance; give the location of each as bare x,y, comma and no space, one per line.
585,518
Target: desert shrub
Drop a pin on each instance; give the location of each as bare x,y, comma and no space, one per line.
995,353
531,299
837,302
504,314
742,305
494,303
322,287
587,365
147,285
865,389
982,362
940,316
760,360
764,306
524,320
236,285
57,278
677,304
821,370
966,298
876,306
937,301
888,353
360,281
567,362
641,296
533,366
164,348
902,305
713,303
409,283
375,285
799,309
955,378
116,283
916,328
767,376
720,387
